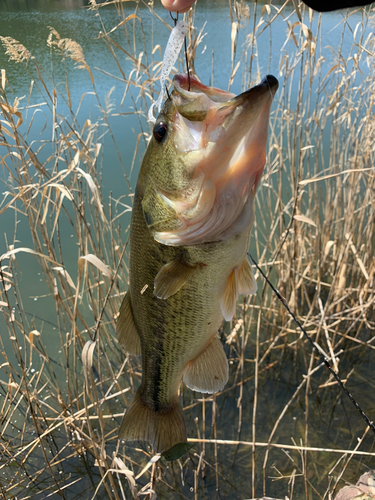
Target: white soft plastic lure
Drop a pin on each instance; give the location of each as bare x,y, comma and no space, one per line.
173,48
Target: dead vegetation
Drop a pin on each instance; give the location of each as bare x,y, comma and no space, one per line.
281,427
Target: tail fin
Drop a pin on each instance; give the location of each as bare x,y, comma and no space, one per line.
163,429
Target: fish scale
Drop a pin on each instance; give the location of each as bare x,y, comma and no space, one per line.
188,260
175,318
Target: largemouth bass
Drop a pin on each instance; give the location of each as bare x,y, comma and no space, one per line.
190,229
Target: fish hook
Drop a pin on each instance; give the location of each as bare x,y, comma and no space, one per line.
174,19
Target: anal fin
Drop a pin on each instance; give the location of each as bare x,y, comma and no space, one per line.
163,429
246,281
208,372
126,330
173,276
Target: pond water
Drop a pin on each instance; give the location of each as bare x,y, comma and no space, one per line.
29,22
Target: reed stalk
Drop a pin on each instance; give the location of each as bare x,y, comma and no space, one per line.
278,427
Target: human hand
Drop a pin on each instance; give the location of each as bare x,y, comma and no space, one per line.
179,6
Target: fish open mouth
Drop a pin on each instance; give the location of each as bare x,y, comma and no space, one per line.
222,138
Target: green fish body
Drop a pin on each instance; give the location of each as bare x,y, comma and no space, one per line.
190,229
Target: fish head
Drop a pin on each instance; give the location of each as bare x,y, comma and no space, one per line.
204,162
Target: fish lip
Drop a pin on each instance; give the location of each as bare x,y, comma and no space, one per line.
255,97
193,100
269,82
197,102
182,82
189,87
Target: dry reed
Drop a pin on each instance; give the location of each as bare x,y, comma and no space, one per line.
281,427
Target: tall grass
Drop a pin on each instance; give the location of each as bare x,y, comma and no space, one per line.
281,427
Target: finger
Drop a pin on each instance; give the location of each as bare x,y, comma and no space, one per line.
180,6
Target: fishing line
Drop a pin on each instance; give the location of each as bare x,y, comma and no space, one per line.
314,346
187,65
174,19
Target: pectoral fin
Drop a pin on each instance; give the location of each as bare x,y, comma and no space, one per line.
208,372
240,280
126,330
246,281
173,276
228,301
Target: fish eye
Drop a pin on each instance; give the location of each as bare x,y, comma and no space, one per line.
160,131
